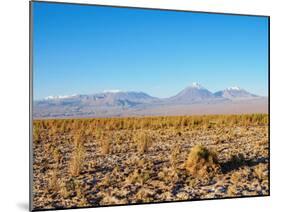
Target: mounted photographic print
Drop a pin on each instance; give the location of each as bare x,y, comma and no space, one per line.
136,105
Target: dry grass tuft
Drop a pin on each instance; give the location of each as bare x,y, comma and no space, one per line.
144,141
202,162
77,159
76,163
36,134
105,146
174,156
53,183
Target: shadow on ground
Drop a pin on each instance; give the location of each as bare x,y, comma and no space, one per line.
239,161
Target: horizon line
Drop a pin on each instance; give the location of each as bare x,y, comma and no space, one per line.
194,84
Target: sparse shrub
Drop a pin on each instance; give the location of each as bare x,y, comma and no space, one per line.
144,141
174,156
77,160
53,181
78,137
105,143
63,190
202,162
105,146
36,134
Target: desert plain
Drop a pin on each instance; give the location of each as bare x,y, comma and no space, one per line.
116,161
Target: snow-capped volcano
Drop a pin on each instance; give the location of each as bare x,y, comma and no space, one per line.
193,93
234,93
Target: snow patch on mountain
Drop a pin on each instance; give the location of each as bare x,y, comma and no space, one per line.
112,91
236,88
60,97
197,85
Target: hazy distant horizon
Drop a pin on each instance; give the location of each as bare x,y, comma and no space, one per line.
118,90
81,50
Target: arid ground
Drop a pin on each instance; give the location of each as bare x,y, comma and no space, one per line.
108,161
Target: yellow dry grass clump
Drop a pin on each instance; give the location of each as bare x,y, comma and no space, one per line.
202,162
144,141
78,154
105,147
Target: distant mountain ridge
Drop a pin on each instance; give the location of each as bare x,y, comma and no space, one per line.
117,103
234,93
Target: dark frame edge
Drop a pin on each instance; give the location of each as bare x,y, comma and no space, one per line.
149,203
30,106
268,61
148,8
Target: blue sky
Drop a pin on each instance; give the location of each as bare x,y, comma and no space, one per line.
88,49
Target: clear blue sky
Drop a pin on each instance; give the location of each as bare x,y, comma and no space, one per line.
88,49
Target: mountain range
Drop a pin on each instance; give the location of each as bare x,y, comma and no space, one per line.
194,99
